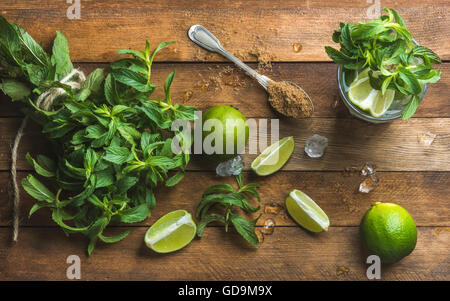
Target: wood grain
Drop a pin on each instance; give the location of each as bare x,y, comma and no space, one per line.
275,27
391,147
411,174
236,89
288,254
425,195
206,4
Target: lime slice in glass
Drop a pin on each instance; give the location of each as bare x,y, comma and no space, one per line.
273,157
306,212
368,99
171,232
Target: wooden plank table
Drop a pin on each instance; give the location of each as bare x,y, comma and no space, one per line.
411,174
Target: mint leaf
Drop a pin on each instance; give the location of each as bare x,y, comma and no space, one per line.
410,108
245,228
15,89
37,190
125,183
132,79
175,179
398,19
425,52
206,220
117,154
219,187
135,215
35,51
58,217
339,57
45,169
60,56
410,80
115,238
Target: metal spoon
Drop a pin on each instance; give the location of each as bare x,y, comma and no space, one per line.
202,37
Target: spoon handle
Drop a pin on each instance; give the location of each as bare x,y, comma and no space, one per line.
202,37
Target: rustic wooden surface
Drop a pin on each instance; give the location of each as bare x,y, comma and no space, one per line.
411,174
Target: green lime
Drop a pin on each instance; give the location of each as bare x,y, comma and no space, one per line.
367,98
306,212
227,124
273,157
389,231
171,232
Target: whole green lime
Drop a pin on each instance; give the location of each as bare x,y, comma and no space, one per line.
225,132
389,231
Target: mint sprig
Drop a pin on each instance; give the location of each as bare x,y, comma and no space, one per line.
224,199
385,45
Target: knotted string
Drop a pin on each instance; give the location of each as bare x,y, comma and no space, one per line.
44,102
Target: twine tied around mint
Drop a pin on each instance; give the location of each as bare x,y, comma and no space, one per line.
74,79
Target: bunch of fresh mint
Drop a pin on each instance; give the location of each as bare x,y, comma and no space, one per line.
224,198
112,144
385,45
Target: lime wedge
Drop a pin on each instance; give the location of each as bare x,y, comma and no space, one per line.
306,212
368,99
273,157
171,232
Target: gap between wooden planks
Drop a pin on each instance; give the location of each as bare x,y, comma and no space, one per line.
288,254
104,27
194,86
423,194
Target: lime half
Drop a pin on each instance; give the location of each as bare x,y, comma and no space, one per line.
171,232
273,157
306,212
368,99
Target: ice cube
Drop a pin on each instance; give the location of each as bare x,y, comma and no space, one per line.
315,146
272,208
368,184
426,138
368,170
269,226
232,167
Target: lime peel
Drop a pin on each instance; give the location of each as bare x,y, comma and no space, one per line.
280,150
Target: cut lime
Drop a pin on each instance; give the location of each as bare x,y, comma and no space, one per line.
273,157
306,212
171,232
368,99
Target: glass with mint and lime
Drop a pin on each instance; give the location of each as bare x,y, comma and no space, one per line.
383,73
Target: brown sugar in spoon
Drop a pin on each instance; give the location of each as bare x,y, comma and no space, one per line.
286,97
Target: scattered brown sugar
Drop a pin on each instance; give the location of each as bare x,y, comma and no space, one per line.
289,100
341,270
187,95
439,230
263,57
352,206
221,77
350,171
